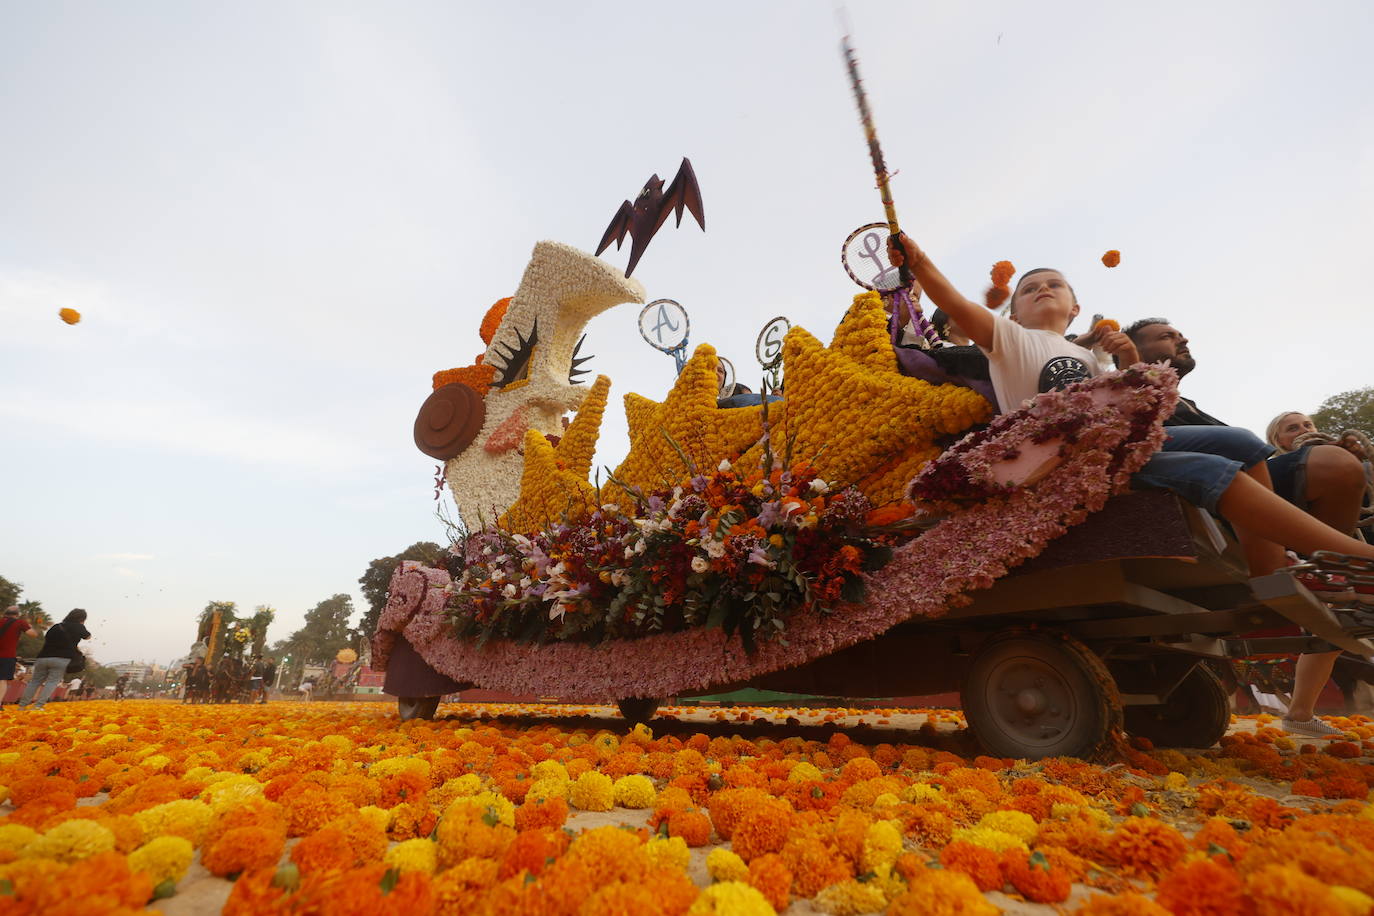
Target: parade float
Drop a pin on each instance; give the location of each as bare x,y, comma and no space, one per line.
852,539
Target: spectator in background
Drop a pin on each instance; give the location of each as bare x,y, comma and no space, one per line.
269,677
307,687
60,649
12,626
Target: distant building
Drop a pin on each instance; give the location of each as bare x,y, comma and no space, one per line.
146,672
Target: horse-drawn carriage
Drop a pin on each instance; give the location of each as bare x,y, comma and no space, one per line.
1021,572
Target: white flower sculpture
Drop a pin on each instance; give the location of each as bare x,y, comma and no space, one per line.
532,352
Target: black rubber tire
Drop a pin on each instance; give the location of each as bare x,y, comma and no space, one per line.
1197,714
637,710
1033,694
417,707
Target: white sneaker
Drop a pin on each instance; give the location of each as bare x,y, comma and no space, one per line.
1312,728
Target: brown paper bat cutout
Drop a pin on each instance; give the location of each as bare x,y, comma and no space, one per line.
650,210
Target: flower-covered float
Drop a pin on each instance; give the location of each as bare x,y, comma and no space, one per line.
849,540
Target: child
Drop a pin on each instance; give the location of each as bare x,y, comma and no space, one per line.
1029,354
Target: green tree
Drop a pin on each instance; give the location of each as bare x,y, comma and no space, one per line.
228,615
324,634
98,675
377,579
39,619
9,592
263,615
1348,410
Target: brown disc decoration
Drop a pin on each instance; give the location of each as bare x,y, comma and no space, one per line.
448,421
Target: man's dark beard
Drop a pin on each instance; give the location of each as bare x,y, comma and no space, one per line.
1183,365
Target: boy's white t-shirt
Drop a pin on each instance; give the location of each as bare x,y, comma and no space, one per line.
1024,363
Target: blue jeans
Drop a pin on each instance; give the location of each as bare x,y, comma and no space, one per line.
46,675
1199,462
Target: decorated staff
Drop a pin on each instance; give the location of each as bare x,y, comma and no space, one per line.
900,301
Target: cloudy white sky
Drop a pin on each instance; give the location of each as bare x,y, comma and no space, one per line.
279,218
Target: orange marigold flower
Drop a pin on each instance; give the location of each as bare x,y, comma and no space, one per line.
770,876
937,892
1034,877
814,863
325,850
491,321
478,377
101,884
1112,325
979,863
1275,890
255,893
1144,846
727,807
411,820
693,826
1202,888
995,296
763,828
243,849
534,815
312,808
532,850
1129,904
1111,258
1002,272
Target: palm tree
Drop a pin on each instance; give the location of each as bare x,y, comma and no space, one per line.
33,612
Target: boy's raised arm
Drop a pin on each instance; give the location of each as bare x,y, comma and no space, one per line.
975,319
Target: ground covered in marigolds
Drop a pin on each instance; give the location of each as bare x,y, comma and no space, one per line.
566,811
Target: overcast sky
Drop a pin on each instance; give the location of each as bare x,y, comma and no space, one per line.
279,219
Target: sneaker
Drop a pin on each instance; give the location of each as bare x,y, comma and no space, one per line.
1312,728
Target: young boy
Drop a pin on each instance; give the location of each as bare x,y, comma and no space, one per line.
1028,354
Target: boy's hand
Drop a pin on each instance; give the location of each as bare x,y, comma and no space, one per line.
902,250
1119,346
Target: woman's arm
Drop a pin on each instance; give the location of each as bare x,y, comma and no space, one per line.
975,319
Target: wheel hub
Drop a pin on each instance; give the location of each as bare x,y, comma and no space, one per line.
1030,700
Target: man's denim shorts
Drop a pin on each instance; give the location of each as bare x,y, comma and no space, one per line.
1199,462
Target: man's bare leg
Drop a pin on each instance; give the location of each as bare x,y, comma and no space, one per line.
1309,677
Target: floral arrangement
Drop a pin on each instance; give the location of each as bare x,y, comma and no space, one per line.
855,417
731,548
685,430
532,809
1078,468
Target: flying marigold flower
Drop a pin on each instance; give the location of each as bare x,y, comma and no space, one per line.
995,296
70,316
1111,258
1002,272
